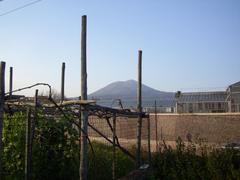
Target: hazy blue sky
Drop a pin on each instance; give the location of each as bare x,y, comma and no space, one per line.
187,45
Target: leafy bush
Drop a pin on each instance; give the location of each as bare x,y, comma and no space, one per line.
14,146
55,151
185,162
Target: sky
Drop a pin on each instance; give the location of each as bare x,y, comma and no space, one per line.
188,45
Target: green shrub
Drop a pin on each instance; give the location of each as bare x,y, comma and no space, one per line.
55,151
184,162
14,146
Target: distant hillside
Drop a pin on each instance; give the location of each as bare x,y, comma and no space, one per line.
128,89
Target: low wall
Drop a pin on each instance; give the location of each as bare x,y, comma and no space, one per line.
214,127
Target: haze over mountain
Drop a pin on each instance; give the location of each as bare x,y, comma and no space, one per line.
128,89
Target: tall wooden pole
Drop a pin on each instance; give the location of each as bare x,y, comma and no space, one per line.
62,81
32,133
149,141
84,114
79,135
2,95
28,146
10,82
139,107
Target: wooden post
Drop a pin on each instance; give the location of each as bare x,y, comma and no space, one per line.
114,148
10,82
2,95
139,107
156,125
79,135
62,81
149,141
28,145
36,103
84,114
32,132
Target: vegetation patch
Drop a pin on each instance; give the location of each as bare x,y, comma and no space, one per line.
55,151
56,155
186,162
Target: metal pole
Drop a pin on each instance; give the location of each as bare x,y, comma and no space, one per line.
2,95
84,114
10,82
139,107
156,125
28,145
114,148
62,81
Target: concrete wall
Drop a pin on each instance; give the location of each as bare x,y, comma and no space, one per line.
214,127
